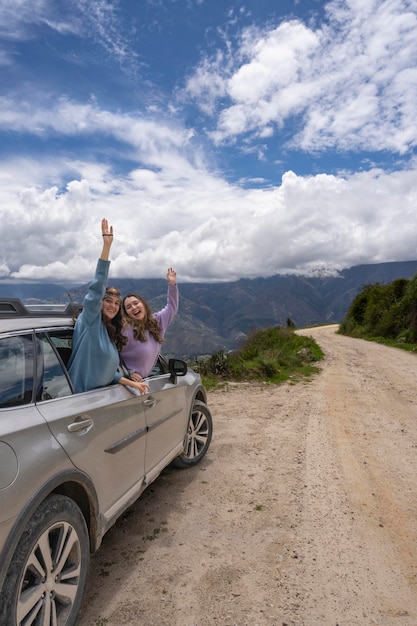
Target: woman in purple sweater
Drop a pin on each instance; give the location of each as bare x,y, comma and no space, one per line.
145,330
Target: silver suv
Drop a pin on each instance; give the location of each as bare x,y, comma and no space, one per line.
70,464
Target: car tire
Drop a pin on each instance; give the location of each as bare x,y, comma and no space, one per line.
46,579
198,437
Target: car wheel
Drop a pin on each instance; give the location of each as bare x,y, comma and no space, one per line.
198,437
47,576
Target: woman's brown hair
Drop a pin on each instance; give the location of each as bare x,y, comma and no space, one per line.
150,323
114,328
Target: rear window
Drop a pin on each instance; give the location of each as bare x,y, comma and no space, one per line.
16,370
53,381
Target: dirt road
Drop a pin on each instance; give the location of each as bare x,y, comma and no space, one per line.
303,513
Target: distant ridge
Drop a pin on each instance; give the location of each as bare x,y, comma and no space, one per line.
216,316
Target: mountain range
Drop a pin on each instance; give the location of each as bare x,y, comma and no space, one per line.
218,316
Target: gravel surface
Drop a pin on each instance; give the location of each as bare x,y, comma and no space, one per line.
304,511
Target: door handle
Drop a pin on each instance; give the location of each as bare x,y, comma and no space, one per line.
150,402
80,423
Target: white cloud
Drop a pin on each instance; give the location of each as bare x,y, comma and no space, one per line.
4,269
101,20
97,20
19,18
149,139
353,80
205,228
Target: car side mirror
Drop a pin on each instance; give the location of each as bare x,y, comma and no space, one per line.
177,367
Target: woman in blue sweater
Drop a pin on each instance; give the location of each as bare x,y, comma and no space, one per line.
97,336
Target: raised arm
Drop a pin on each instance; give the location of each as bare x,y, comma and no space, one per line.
107,232
93,299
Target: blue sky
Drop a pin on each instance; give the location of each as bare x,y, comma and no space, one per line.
224,139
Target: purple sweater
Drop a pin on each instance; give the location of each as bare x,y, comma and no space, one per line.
141,356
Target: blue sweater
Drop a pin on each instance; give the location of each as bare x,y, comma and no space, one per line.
94,359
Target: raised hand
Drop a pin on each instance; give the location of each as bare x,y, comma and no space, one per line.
106,230
171,276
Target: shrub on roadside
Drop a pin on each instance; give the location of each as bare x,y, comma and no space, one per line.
387,311
271,354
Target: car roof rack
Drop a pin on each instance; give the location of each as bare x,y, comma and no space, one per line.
14,307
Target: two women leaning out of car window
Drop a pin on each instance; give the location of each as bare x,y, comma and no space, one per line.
98,337
144,331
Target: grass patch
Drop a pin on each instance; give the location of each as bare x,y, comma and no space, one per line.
392,343
274,355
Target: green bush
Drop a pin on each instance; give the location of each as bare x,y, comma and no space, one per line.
384,311
271,354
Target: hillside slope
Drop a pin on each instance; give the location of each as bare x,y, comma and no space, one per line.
216,316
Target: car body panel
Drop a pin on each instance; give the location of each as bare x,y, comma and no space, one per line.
13,325
166,416
42,456
100,448
104,433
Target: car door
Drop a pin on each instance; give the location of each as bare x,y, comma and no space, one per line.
167,414
103,431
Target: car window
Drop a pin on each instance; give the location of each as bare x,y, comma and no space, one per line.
16,370
62,341
159,368
54,380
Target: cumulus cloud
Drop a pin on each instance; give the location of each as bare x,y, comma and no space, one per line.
210,230
350,82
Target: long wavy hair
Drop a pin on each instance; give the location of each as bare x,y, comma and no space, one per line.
150,323
114,328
